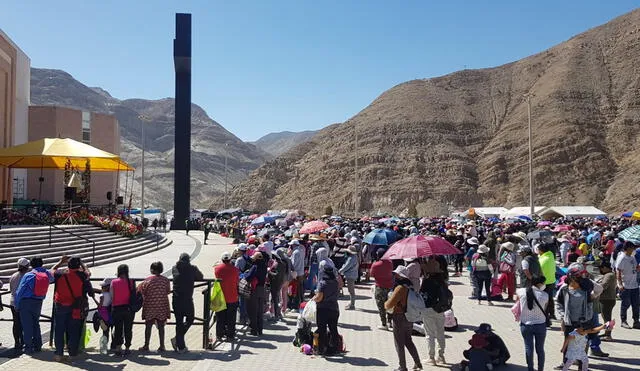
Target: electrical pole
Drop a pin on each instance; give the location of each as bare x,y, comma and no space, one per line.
355,173
142,170
226,158
528,98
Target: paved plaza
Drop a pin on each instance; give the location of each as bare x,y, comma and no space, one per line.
366,345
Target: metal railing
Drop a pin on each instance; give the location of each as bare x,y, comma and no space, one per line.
206,321
52,226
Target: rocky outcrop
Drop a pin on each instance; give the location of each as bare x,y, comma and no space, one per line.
276,144
461,139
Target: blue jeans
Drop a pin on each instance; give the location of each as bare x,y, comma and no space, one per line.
30,319
65,325
530,333
594,339
629,299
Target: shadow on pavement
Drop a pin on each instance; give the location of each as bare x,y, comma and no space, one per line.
351,326
356,361
370,311
277,338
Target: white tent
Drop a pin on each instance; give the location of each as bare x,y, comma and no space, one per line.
571,211
487,212
522,210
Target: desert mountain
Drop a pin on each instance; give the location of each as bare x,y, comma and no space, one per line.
460,140
276,144
210,141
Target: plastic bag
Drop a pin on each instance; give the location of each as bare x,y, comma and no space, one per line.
309,312
217,303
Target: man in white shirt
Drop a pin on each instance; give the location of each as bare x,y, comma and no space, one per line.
626,273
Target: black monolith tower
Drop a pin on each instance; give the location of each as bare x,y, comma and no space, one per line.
182,165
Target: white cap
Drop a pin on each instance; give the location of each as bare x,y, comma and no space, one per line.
23,262
243,247
294,242
225,256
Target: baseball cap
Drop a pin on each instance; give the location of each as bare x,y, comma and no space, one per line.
23,262
225,256
105,282
243,247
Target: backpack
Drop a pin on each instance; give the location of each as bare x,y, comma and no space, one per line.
41,284
415,306
445,301
481,263
135,298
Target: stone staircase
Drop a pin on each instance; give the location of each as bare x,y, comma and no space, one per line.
29,241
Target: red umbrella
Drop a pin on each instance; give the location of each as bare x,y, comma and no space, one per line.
562,228
419,246
313,227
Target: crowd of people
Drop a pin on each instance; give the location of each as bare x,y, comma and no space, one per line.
117,301
569,271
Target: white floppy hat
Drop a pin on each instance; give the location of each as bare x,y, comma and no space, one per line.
483,249
508,245
473,241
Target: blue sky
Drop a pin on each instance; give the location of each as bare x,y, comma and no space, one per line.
265,66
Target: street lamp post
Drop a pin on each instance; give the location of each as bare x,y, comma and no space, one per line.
528,97
355,173
226,158
142,173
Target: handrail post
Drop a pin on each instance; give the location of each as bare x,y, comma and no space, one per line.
206,316
50,227
93,254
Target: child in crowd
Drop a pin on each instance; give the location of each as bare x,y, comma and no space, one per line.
104,310
575,345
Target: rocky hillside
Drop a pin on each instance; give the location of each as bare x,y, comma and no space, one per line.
210,141
276,144
461,139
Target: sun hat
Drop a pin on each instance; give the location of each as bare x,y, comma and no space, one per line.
225,256
483,249
576,269
484,328
521,235
473,241
401,271
508,245
23,262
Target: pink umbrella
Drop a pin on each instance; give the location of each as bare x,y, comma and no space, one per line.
419,246
253,216
313,227
544,223
562,228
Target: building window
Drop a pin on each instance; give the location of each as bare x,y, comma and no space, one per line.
86,127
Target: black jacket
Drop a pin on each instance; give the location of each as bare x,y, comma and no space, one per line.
184,275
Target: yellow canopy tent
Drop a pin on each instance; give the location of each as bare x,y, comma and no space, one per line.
53,153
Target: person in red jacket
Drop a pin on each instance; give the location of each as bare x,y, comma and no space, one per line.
72,288
382,272
226,319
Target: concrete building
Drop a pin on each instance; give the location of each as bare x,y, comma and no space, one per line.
96,129
15,79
